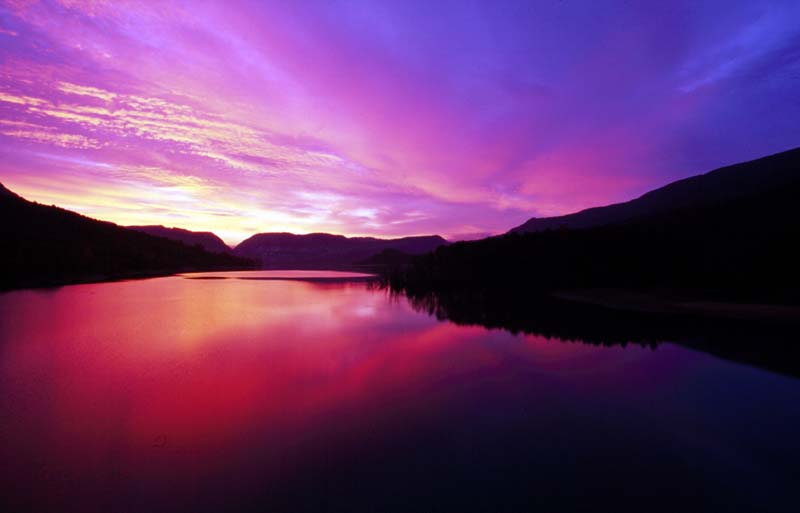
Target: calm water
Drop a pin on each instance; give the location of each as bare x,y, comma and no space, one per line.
177,394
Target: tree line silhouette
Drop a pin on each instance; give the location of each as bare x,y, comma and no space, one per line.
566,321
745,249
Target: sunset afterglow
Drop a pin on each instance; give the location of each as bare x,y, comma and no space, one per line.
391,119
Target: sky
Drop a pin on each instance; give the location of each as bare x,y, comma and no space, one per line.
383,118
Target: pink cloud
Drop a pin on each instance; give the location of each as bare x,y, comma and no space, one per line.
360,119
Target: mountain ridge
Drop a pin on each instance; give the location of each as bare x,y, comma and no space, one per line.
280,249
5,192
48,246
715,186
738,245
209,241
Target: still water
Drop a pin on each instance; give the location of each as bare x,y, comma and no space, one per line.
323,394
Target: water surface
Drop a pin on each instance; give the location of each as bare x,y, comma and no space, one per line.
179,394
289,274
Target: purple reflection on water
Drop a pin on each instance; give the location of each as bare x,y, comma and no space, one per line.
177,394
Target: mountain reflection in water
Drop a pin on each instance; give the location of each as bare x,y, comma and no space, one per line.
769,345
175,394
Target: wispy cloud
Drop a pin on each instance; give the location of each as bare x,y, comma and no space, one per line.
368,118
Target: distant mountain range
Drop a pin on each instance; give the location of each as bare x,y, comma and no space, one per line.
206,240
313,250
46,245
284,250
715,187
732,228
731,234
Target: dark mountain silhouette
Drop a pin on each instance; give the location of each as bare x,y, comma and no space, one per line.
47,245
388,258
6,193
738,245
282,250
206,240
715,187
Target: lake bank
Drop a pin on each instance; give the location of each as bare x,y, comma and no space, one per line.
54,283
660,303
309,275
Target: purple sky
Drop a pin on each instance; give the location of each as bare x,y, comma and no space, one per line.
383,118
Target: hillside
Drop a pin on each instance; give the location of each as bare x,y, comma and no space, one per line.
47,245
739,246
715,187
206,240
276,250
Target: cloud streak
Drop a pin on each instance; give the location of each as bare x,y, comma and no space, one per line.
390,118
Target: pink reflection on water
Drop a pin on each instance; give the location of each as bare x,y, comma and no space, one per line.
164,384
282,275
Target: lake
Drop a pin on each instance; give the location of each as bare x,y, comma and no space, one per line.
319,392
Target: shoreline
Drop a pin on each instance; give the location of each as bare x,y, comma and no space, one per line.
651,302
86,280
186,274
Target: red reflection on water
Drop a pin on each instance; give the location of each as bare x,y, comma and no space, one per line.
281,274
127,385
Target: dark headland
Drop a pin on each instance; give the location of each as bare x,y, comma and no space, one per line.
724,243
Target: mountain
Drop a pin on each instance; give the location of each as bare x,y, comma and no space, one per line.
277,250
387,259
714,187
5,193
206,240
739,243
46,245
